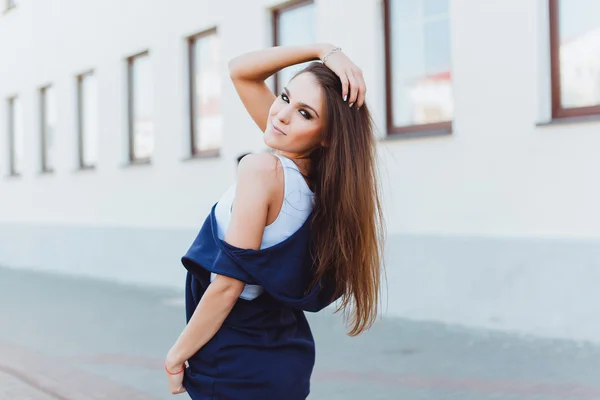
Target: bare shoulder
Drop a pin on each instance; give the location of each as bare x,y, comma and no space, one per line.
261,165
263,169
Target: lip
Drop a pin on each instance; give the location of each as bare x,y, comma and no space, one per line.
276,129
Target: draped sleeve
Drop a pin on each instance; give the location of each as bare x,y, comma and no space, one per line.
284,270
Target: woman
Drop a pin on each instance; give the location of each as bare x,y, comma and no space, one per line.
301,228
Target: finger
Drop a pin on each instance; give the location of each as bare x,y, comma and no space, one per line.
353,88
362,93
176,384
344,80
362,88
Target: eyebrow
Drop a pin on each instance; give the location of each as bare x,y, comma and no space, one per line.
301,104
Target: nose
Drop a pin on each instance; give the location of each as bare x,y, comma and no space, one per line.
284,114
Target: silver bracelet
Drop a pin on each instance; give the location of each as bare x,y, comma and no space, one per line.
334,50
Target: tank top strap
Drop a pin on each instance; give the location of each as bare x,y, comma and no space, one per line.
287,163
293,179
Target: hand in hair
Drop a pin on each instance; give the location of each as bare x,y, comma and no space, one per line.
353,83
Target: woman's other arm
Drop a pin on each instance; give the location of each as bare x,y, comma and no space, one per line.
255,188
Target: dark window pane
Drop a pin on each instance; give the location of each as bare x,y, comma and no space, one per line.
296,26
89,120
435,7
208,120
437,47
15,135
142,108
579,31
49,116
420,62
406,11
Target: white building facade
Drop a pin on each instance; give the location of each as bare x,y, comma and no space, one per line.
120,128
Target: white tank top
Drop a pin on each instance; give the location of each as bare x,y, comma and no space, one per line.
295,209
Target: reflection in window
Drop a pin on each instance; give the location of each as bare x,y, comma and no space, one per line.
141,108
579,38
420,62
48,120
88,120
15,136
294,25
205,90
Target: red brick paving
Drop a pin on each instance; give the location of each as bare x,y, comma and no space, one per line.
12,387
470,385
38,377
50,378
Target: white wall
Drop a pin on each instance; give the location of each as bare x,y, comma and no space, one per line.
499,178
499,173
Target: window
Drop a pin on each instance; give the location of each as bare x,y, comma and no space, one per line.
575,45
418,65
141,108
87,120
15,136
48,127
206,120
293,24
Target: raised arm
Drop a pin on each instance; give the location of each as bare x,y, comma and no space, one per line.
249,72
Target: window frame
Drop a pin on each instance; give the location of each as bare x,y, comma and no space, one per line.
437,127
10,103
275,23
194,153
46,169
80,132
130,110
558,111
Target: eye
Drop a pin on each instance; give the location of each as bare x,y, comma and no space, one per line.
305,114
284,98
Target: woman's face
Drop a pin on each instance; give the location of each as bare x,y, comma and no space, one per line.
296,117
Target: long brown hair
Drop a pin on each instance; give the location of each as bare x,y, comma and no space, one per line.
347,223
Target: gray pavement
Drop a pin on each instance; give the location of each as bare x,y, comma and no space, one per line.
70,338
